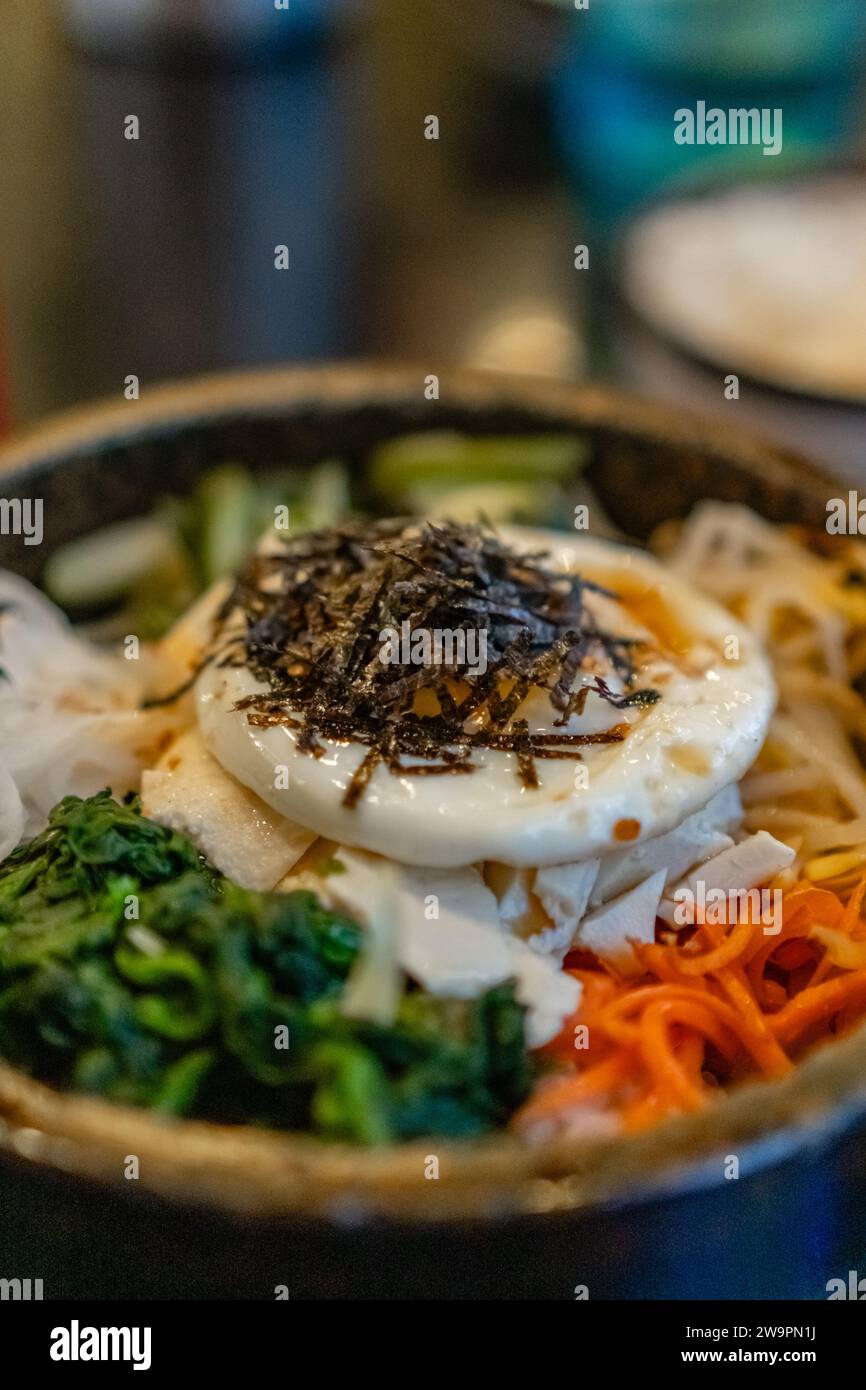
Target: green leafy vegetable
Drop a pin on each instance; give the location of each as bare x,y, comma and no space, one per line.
131,970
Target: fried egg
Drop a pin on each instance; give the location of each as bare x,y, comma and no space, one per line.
716,696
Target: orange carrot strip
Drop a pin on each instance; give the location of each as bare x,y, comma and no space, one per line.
661,1060
839,951
643,1112
611,1018
562,1093
598,989
765,949
816,1003
851,916
818,903
762,1043
728,950
705,1025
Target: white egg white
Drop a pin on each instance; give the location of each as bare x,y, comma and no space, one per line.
717,698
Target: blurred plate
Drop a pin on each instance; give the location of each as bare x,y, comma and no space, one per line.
767,281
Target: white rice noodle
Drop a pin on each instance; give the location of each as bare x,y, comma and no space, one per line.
827,834
810,780
815,833
817,737
735,555
737,541
787,781
832,695
857,657
801,647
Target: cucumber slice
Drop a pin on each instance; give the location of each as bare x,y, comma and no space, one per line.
325,495
104,566
494,502
448,457
228,502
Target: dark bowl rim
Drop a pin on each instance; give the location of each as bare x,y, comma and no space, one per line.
256,392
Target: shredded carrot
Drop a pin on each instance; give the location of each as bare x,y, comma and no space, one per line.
711,1007
761,1041
851,915
728,950
818,1004
839,950
671,1078
643,1112
565,1092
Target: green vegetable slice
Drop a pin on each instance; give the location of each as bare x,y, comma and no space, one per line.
446,458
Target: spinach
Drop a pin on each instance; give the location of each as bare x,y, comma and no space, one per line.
130,969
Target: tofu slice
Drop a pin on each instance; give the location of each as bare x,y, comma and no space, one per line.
563,891
449,936
374,987
521,913
181,648
751,863
190,792
609,931
700,837
512,888
450,939
548,993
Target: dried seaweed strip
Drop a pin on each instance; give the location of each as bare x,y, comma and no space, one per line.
523,747
560,691
432,769
361,776
313,617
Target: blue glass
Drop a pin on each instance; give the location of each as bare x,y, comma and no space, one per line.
631,64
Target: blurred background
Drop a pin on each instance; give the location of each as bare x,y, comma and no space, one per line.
306,124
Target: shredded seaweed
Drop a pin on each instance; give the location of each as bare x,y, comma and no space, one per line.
307,619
